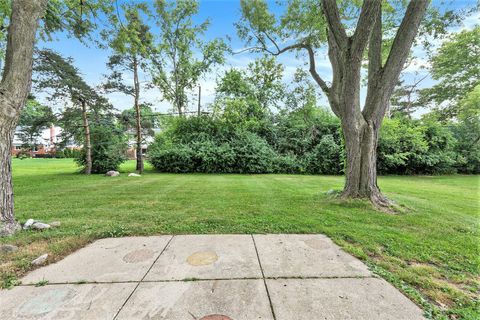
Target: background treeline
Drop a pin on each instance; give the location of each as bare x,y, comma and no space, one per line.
258,124
310,141
259,121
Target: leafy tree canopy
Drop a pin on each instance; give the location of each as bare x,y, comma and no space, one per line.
78,18
176,66
132,43
57,74
456,65
149,119
34,118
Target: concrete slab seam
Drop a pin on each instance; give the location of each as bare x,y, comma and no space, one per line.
204,279
264,280
138,283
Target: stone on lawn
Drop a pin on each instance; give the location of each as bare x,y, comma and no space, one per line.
28,224
40,226
112,173
54,224
332,192
40,260
7,248
134,175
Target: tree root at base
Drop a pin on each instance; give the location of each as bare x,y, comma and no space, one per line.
377,199
9,228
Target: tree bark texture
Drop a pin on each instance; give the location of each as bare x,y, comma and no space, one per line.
88,145
14,88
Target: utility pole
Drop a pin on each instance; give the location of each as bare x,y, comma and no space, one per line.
199,99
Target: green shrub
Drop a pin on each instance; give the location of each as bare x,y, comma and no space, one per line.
310,141
210,157
299,131
244,153
252,153
187,130
467,133
325,158
23,154
173,159
467,149
415,147
399,142
71,153
287,164
108,148
59,154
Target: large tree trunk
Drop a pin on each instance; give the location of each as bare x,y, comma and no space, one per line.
88,145
8,225
361,162
361,127
14,89
138,117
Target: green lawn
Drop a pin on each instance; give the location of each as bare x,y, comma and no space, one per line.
431,252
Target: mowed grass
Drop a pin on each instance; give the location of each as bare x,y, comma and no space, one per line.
430,252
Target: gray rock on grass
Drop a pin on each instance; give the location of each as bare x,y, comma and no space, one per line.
8,248
40,260
134,175
28,224
112,173
40,226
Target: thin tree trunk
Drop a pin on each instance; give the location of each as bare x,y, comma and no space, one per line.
180,107
88,146
14,88
199,100
138,116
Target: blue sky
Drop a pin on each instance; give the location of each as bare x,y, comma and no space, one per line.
222,14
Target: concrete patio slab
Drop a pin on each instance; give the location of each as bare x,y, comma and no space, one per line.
207,257
201,300
306,255
72,302
106,260
369,299
208,277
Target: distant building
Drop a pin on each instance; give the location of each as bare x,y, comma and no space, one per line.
45,143
132,143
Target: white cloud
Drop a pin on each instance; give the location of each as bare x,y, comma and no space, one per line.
471,21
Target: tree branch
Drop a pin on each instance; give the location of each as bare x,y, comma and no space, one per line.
299,45
369,15
313,70
337,72
375,47
378,97
311,57
403,40
330,10
374,65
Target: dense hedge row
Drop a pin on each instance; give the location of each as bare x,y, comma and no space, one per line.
306,141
